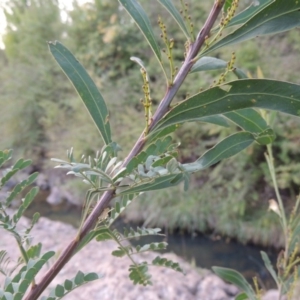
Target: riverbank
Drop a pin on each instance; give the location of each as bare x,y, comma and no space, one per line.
115,284
173,210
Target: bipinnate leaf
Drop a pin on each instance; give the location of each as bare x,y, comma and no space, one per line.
278,16
120,207
71,284
85,87
26,275
122,251
168,4
19,165
5,261
34,251
139,16
139,274
228,147
269,266
237,279
26,202
152,247
130,233
20,187
246,93
161,261
5,156
103,234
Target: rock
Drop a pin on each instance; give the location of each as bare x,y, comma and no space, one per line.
272,295
216,288
115,284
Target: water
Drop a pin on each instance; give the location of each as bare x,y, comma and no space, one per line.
200,250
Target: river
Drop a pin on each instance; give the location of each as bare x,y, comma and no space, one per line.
200,250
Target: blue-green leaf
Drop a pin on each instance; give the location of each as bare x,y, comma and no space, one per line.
138,14
279,16
249,12
85,87
269,266
176,15
265,137
228,147
216,119
262,93
237,279
156,183
248,119
208,63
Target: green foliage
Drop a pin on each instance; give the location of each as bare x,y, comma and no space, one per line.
275,17
137,13
223,99
17,286
85,87
176,15
71,284
288,264
237,279
153,163
139,274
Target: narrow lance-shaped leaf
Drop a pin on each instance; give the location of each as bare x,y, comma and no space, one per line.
176,15
207,63
235,95
156,183
226,148
237,279
249,12
269,266
85,87
249,119
279,16
138,14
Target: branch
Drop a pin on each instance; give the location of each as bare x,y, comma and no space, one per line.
160,112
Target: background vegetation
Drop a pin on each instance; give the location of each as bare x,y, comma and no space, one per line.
41,116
